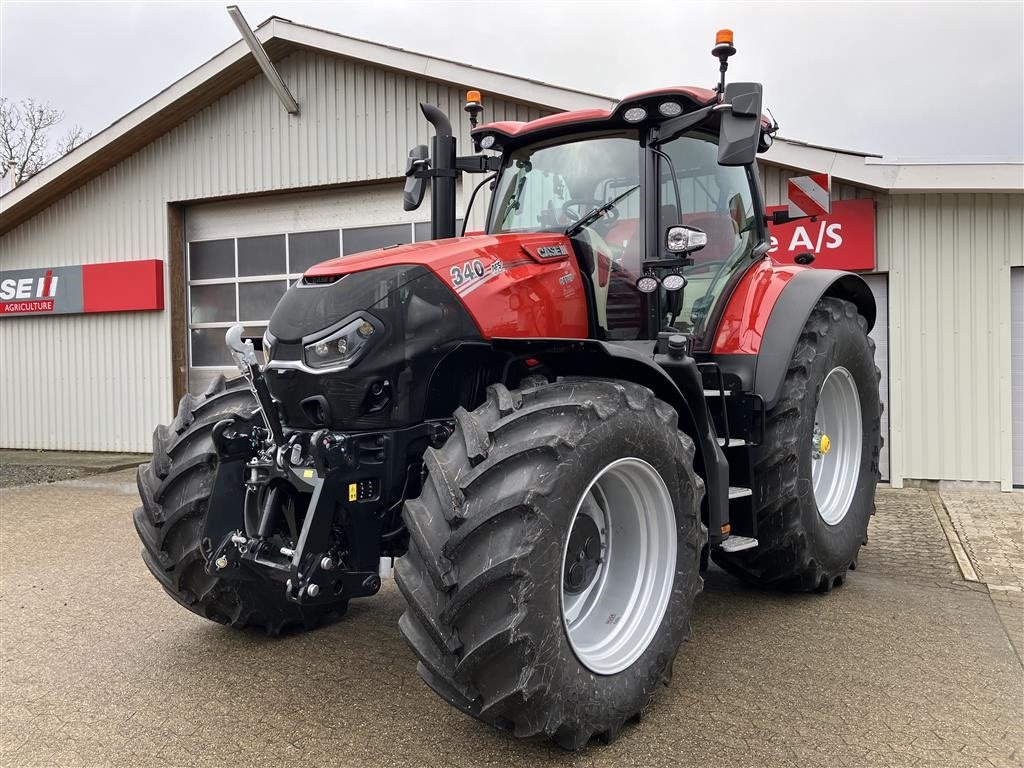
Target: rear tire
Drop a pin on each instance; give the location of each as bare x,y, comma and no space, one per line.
485,574
175,488
807,540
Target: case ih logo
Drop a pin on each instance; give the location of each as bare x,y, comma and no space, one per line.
21,296
552,251
117,286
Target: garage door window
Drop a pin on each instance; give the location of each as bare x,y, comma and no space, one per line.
233,280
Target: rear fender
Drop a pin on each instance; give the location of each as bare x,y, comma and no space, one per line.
766,314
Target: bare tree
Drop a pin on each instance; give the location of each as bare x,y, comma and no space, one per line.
25,128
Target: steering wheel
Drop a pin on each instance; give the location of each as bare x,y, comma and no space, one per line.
583,207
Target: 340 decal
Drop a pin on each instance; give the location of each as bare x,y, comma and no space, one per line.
467,271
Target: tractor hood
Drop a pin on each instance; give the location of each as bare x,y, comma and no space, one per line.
441,255
367,341
513,285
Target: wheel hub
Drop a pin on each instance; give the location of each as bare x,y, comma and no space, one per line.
618,565
583,555
836,445
821,442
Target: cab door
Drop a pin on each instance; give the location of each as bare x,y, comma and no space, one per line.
721,201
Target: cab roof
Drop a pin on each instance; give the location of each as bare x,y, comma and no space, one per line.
689,98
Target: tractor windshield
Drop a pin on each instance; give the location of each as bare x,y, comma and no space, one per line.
548,188
588,189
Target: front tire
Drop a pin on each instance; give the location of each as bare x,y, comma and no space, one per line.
175,488
501,627
813,505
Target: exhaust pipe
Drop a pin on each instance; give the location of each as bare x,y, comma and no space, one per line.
443,172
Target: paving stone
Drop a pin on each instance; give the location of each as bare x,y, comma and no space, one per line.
905,665
905,539
990,526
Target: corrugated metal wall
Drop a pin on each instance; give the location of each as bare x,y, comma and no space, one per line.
101,382
948,257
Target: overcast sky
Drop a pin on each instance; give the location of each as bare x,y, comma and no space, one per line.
905,80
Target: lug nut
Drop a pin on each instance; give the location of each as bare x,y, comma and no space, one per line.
313,590
327,564
221,562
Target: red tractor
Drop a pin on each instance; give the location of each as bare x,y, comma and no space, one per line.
553,424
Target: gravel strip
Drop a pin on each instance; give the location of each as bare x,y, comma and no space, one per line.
19,474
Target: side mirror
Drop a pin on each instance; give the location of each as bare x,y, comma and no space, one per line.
415,185
741,124
683,239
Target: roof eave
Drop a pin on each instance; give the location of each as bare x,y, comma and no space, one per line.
898,179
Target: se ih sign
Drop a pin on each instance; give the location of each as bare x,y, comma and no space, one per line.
842,239
116,286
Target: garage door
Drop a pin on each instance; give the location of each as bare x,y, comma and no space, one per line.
879,285
242,255
1017,370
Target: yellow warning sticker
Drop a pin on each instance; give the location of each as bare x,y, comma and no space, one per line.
307,473
353,491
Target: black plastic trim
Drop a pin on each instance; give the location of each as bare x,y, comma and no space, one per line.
789,315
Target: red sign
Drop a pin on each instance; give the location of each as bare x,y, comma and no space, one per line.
843,239
123,286
117,286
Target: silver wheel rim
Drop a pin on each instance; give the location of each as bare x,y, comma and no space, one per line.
611,618
836,445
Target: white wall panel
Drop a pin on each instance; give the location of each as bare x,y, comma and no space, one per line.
1017,371
101,382
948,259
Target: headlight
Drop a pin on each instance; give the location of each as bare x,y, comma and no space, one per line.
634,114
647,284
685,239
673,282
343,348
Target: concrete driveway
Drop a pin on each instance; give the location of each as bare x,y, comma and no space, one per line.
906,665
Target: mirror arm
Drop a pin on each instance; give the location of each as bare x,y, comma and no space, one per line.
478,163
671,129
783,217
649,264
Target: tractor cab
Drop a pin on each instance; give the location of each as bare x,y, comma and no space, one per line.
626,199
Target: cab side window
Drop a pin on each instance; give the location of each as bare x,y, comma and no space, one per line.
717,200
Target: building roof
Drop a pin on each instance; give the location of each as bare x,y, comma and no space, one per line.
235,65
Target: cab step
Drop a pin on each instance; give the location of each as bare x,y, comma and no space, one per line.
736,492
737,543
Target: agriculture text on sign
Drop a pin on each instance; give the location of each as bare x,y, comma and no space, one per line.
842,239
118,286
